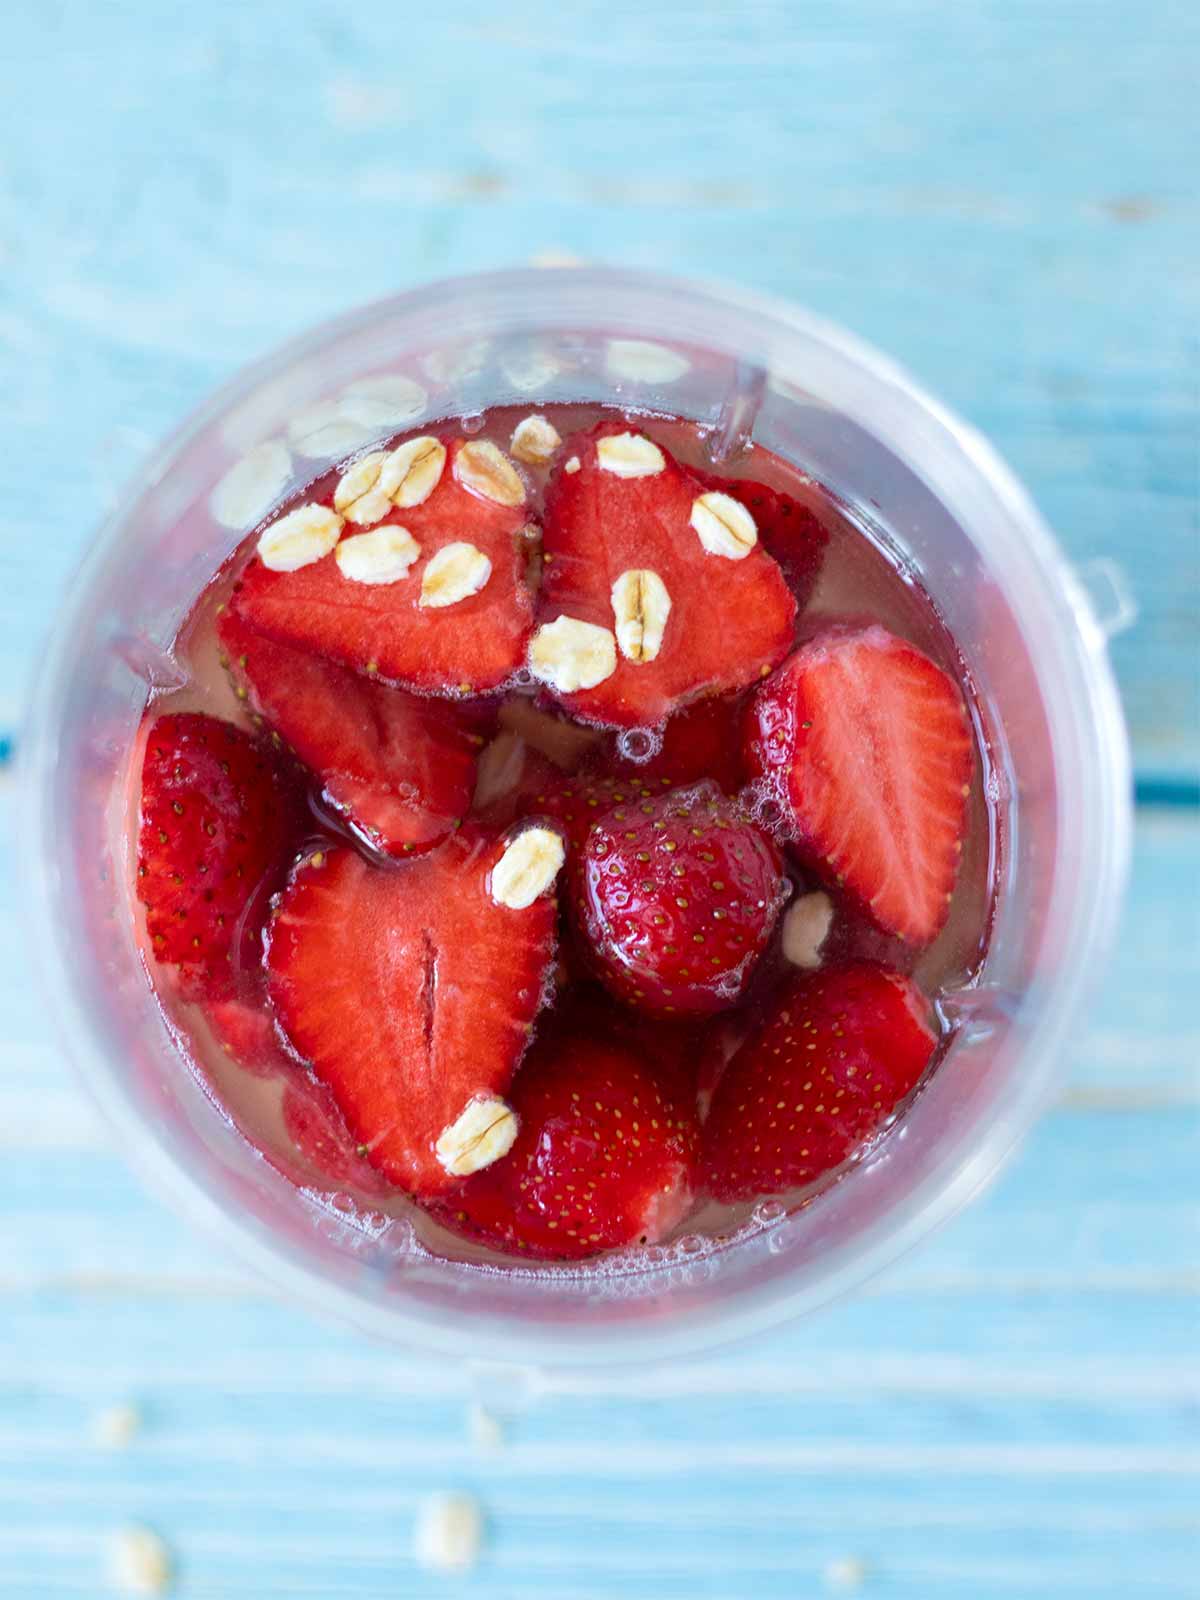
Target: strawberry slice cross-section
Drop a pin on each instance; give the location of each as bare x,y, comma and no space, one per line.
868,747
416,575
412,992
399,767
655,591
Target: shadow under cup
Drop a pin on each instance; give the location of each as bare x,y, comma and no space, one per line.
958,522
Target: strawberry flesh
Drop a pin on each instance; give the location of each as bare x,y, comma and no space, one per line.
470,647
791,533
866,745
219,819
598,526
677,897
399,767
605,1155
409,991
318,1130
835,1055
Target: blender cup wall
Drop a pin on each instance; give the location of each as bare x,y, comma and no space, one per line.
956,520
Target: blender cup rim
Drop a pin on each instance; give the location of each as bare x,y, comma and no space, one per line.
885,402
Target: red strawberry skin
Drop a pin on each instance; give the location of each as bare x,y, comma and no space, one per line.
678,897
576,804
836,1054
597,526
399,767
867,745
605,1156
409,991
791,533
219,820
470,647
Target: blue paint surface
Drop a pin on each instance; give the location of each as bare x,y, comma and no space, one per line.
1002,194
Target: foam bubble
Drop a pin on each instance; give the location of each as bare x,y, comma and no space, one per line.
639,744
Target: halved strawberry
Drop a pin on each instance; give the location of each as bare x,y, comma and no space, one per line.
400,767
836,1054
605,1155
245,1030
410,991
381,628
730,616
312,1123
678,897
867,745
790,532
702,741
318,1130
219,821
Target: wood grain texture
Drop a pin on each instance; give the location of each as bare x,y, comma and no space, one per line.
1010,1412
1001,193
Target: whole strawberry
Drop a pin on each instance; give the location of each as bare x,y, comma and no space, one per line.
218,823
605,1155
836,1054
677,897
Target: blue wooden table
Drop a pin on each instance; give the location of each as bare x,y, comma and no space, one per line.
1000,192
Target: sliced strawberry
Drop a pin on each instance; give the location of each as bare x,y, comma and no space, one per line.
318,1130
400,767
730,618
678,897
836,1054
410,992
702,741
791,533
605,1155
867,745
245,1030
468,647
218,824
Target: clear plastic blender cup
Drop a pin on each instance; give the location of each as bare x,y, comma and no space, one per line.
743,366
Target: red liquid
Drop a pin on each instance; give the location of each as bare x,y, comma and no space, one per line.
275,1103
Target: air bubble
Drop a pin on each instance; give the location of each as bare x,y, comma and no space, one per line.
764,807
522,678
639,744
768,1211
471,421
690,1244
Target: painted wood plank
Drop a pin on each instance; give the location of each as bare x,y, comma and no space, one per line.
1000,194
